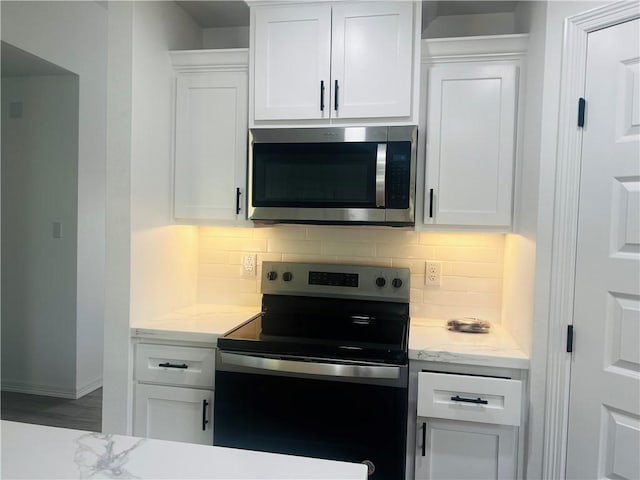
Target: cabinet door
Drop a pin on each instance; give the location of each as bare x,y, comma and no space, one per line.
471,128
211,145
173,413
292,56
449,449
372,53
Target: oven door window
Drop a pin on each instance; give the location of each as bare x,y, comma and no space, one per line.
339,175
354,422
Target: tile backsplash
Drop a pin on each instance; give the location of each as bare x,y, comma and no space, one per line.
472,264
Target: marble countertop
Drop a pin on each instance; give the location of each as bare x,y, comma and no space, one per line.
429,339
198,323
36,451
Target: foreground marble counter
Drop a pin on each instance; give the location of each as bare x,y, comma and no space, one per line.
429,339
38,452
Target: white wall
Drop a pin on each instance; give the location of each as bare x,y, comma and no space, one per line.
73,35
470,25
557,12
225,37
154,263
39,187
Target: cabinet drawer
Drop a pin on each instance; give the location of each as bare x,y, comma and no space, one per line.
469,398
171,365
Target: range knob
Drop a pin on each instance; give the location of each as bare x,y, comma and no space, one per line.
381,282
396,282
287,276
272,275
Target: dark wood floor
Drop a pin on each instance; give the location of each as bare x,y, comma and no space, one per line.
82,414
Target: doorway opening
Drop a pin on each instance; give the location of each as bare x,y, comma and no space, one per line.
39,253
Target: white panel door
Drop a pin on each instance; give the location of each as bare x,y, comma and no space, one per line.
292,61
471,129
211,145
453,450
604,408
173,413
371,64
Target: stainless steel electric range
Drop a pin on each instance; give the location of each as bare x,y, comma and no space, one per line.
322,371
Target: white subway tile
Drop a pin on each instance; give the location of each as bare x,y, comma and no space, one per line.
236,244
350,249
304,247
468,254
472,269
401,251
295,257
209,255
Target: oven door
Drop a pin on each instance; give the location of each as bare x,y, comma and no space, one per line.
348,412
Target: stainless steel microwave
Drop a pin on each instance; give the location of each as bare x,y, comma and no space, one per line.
350,175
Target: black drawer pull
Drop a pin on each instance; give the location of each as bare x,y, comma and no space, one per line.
322,95
204,414
173,365
238,193
478,400
424,438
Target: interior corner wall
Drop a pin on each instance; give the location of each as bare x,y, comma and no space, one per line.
163,256
73,35
226,37
39,175
471,25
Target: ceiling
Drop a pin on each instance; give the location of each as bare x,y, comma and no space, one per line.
18,63
235,13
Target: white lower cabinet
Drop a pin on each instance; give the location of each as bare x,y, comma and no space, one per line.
467,426
174,392
451,449
173,413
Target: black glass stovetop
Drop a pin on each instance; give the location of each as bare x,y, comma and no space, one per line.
325,328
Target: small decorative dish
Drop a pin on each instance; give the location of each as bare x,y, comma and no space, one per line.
468,325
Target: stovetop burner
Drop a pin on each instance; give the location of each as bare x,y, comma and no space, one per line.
351,313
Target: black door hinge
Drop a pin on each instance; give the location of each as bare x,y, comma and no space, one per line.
581,104
569,338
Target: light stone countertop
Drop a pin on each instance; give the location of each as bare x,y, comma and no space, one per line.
197,323
37,452
429,339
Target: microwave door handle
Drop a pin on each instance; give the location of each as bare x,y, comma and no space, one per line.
381,170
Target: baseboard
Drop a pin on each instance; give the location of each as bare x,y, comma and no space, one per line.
50,390
88,387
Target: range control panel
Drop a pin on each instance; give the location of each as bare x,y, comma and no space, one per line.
329,280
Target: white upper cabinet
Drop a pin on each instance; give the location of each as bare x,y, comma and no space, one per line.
334,63
292,62
210,135
471,132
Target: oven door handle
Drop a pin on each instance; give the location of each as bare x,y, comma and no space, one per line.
312,368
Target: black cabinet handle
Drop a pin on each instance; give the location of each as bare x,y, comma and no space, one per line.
173,365
322,95
478,400
335,95
431,203
238,193
424,438
204,414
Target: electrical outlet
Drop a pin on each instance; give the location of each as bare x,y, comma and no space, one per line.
433,274
249,265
